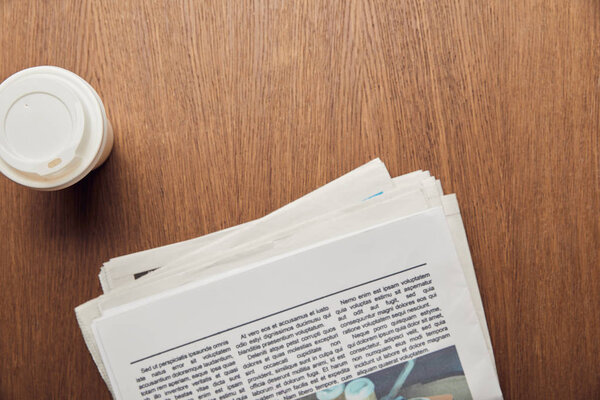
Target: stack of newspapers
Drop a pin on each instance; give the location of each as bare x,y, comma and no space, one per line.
363,289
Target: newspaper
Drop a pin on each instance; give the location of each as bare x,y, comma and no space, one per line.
361,306
205,318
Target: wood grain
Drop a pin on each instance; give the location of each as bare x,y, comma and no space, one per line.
224,111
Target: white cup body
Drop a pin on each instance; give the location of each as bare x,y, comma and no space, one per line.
53,128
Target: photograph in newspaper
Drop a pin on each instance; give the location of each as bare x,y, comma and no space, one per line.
435,376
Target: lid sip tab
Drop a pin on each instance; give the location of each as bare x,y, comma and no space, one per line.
53,128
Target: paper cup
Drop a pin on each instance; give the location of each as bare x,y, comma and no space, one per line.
53,128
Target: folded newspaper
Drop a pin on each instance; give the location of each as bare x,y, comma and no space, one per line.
361,290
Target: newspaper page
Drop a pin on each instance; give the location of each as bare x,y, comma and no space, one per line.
383,313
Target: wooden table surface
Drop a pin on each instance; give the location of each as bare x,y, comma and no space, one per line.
225,111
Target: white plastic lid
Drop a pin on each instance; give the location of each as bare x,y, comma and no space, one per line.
51,127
